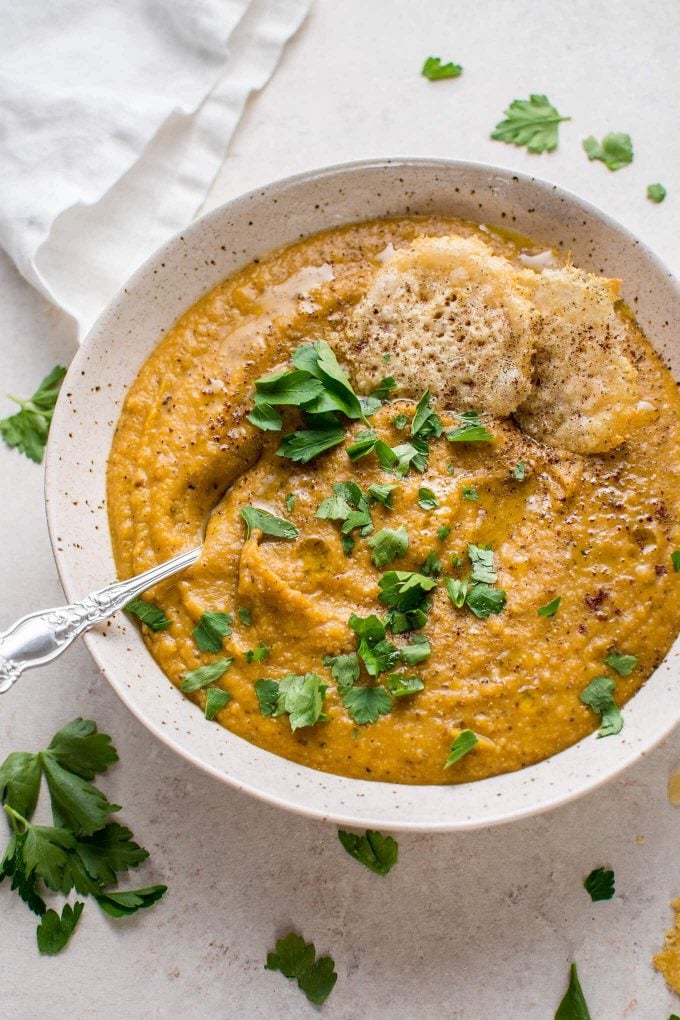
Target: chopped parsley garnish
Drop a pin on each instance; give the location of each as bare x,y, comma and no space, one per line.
301,697
615,150
407,455
363,444
426,421
382,494
451,469
388,545
456,560
433,69
367,628
319,360
599,696
432,567
27,430
463,744
377,654
573,1006
244,616
211,630
344,669
443,532
470,430
83,849
385,388
54,931
358,519
620,663
675,560
532,122
149,614
291,500
405,590
348,544
347,496
366,704
400,421
376,852
427,499
258,654
123,904
456,590
550,608
215,701
265,418
600,884
485,601
483,566
399,685
296,959
267,523
303,446
295,388
197,679
416,652
656,192
519,472
470,494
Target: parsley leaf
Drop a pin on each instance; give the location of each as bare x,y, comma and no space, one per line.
485,601
470,430
388,545
20,781
463,744
427,499
244,616
290,501
363,444
289,387
417,652
54,931
197,679
376,852
675,560
443,532
470,494
367,628
122,904
346,497
483,566
400,421
532,122
211,629
599,696
344,668
432,567
151,615
656,192
27,429
404,590
615,150
382,494
600,884
620,663
399,685
258,654
519,471
378,657
426,421
267,523
81,749
295,958
215,700
365,704
108,851
305,445
456,590
265,418
434,70
75,802
406,455
551,608
338,395
385,388
573,1006
301,697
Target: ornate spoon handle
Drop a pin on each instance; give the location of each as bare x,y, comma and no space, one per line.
40,637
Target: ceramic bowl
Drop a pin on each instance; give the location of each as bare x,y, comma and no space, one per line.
190,264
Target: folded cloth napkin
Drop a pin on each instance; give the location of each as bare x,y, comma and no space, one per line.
115,116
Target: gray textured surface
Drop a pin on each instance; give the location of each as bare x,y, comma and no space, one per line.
472,926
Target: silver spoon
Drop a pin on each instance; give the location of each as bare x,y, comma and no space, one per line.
40,637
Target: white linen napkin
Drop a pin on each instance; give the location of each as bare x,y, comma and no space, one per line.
115,116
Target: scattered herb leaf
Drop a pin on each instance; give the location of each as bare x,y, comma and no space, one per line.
365,704
54,931
599,696
267,523
434,70
470,430
244,616
211,630
519,471
295,958
149,614
461,746
573,1006
600,884
615,150
27,430
532,122
388,545
620,663
123,904
197,679
550,609
656,192
376,852
427,499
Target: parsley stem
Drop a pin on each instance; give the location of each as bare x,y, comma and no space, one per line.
15,817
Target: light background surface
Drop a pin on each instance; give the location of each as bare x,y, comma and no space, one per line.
468,927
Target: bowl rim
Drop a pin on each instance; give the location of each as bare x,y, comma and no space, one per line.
629,753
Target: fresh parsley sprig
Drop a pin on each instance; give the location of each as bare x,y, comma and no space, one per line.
434,70
83,849
533,122
296,959
376,852
27,430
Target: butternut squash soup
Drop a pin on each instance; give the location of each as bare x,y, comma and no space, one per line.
435,469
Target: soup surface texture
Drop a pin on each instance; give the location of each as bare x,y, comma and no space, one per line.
560,494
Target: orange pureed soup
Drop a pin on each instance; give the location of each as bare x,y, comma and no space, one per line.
459,574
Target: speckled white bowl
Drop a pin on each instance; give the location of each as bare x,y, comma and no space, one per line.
170,282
